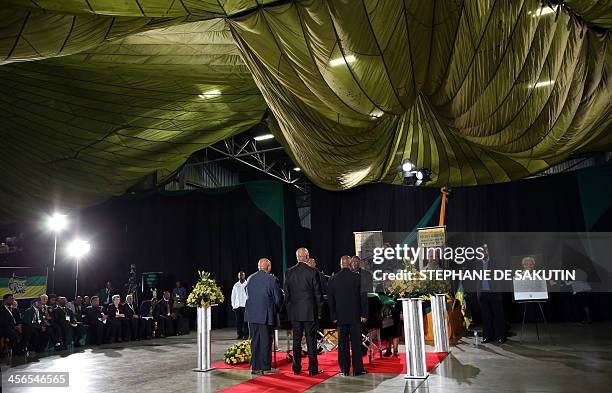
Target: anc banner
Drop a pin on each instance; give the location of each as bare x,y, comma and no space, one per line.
23,283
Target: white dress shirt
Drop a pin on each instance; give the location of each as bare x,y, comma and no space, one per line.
239,295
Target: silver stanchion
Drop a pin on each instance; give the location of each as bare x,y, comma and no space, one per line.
414,333
204,352
439,318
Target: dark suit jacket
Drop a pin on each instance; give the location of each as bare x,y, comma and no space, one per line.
128,311
165,306
78,313
366,280
111,310
29,319
92,314
263,299
16,315
106,295
303,293
145,308
347,303
7,321
59,315
324,279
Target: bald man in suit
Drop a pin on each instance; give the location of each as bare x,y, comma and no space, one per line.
263,299
303,297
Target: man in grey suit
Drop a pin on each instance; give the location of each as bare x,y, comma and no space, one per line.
263,299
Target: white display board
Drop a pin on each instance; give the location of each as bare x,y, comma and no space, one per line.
529,290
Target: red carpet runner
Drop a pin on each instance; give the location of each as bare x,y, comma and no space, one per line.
285,381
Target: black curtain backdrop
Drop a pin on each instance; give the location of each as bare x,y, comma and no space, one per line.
175,233
544,204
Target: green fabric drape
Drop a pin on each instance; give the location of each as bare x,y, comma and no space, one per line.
269,197
100,96
423,222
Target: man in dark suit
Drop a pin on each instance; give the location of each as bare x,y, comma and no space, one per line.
9,328
263,299
135,329
323,278
35,334
348,307
106,293
149,314
66,322
366,278
166,316
303,298
97,321
491,305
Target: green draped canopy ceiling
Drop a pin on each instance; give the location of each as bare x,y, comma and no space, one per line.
100,96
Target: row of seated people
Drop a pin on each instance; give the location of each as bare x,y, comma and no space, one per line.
52,321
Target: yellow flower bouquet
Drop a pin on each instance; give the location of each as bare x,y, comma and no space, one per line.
409,288
239,353
205,293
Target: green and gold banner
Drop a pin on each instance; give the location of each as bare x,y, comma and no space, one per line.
23,283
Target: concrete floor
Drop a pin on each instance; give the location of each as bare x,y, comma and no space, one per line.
578,359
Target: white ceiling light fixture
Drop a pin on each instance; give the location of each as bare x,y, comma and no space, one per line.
377,113
210,94
342,60
263,137
543,11
541,84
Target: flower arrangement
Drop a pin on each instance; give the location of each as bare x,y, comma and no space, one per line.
205,292
239,353
416,287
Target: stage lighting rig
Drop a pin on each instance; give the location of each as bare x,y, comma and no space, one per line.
413,176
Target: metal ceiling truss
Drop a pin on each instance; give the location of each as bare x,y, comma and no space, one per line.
247,153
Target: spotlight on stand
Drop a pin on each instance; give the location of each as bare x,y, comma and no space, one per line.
413,176
78,249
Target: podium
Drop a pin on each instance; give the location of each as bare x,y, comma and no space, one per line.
439,317
416,367
204,349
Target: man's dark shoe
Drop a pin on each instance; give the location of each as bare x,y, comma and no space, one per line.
358,373
486,340
297,371
501,341
313,373
255,372
388,352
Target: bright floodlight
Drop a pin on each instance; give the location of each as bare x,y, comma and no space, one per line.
420,175
57,222
263,137
297,169
78,248
407,166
